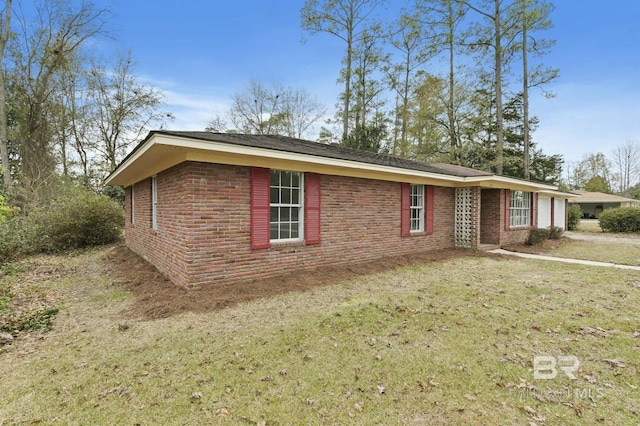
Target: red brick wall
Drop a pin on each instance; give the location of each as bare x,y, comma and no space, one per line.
491,216
203,234
165,247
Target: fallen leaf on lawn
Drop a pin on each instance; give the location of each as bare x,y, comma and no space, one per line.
266,379
357,406
470,397
590,378
283,372
196,395
614,363
223,412
380,389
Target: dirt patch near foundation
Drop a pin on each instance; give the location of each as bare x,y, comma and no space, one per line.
157,297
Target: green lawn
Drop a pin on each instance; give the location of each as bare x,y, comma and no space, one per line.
451,342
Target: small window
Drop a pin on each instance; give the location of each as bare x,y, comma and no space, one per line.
154,203
286,212
417,208
520,209
133,204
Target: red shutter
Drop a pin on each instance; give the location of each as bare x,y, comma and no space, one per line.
553,211
429,209
312,208
405,201
507,210
260,215
534,209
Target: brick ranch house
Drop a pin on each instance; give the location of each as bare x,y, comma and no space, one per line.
208,208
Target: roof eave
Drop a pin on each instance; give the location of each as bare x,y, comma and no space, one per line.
165,150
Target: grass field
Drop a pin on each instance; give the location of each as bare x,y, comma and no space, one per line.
451,342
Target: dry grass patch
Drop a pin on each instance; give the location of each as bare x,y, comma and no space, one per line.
591,226
451,342
623,254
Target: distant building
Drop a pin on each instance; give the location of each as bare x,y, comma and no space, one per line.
594,203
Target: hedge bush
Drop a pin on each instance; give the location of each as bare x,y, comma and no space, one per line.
75,219
623,219
536,236
555,232
574,214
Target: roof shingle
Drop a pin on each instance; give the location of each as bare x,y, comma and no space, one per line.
300,146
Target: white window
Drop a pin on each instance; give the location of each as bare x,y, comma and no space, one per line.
286,205
133,204
417,208
520,209
154,203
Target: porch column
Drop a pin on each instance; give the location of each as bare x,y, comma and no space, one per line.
467,218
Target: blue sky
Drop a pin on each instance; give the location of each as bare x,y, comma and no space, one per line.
202,52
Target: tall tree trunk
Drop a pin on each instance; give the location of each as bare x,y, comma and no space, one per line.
525,94
498,84
347,85
453,135
4,143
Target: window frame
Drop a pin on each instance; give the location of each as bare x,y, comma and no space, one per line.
154,202
417,208
520,209
280,205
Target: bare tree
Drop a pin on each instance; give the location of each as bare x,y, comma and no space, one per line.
121,109
626,160
274,110
44,50
5,29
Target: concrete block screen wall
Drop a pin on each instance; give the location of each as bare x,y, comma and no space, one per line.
203,233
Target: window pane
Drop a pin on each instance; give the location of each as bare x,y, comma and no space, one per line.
275,178
285,179
286,196
275,195
295,196
274,231
284,231
294,230
274,217
295,180
285,214
294,214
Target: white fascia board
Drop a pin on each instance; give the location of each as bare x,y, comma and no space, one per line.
511,181
559,194
123,166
